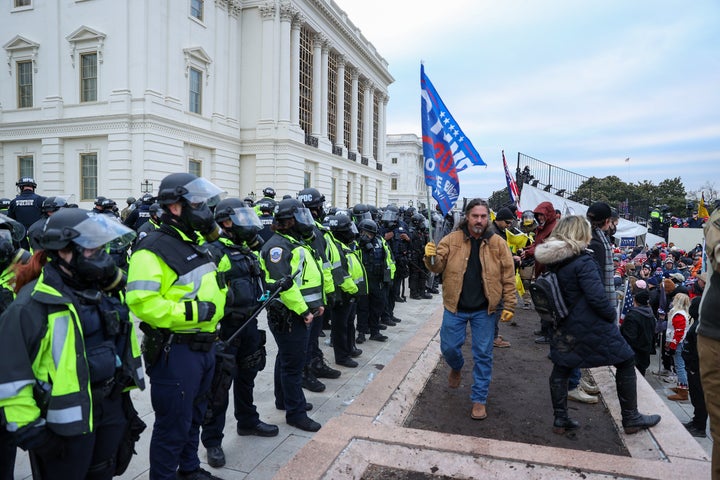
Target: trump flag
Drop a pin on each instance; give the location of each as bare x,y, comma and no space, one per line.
446,149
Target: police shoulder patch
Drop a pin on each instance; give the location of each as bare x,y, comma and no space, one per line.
276,254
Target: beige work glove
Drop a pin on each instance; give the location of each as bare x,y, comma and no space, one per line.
430,250
506,316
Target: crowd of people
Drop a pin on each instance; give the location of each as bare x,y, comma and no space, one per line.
196,270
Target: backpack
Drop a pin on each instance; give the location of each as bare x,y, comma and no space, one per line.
548,299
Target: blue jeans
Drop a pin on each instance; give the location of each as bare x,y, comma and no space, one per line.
682,378
452,338
574,379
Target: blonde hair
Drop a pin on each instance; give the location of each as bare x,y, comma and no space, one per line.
681,302
573,230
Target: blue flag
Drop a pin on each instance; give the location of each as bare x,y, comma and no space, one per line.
445,147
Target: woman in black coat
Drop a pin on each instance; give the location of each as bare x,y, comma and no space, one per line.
589,336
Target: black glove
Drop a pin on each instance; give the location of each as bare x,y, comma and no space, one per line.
285,283
41,440
206,311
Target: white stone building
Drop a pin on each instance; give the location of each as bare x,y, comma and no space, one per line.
106,97
405,163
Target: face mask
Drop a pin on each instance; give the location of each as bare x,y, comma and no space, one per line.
201,219
96,270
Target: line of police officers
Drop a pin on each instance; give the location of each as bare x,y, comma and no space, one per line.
196,280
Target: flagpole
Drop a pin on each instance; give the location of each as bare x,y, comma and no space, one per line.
430,231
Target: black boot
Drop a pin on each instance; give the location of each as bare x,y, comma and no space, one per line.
625,382
559,395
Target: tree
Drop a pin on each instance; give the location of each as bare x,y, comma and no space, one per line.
498,199
672,192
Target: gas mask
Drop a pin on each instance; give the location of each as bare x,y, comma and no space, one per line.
201,219
96,270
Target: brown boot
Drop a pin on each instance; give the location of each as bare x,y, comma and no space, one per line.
681,395
454,379
478,411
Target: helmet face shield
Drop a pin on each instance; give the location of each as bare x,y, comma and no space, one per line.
245,217
16,229
98,230
304,217
390,216
200,191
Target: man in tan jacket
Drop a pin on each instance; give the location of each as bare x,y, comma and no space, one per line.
478,274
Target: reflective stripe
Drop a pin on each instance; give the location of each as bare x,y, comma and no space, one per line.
143,285
194,277
64,415
337,264
326,265
359,280
312,297
60,331
301,268
11,389
140,372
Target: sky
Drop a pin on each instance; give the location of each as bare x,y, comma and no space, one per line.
579,84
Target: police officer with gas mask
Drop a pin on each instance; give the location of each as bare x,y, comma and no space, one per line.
285,255
371,306
235,253
70,350
173,289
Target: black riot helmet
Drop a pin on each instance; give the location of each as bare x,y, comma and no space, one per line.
293,208
155,210
130,200
361,211
11,233
266,205
5,203
53,204
80,230
192,189
99,201
418,221
146,199
312,199
342,227
26,182
269,192
245,222
197,195
391,216
368,226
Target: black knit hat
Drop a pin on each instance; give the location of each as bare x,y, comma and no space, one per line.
504,214
599,211
642,297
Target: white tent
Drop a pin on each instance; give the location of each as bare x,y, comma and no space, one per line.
531,197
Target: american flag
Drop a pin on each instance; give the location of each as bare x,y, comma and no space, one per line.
512,186
627,303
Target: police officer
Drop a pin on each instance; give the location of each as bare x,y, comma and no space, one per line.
49,206
11,254
4,205
153,223
267,209
268,197
286,254
130,201
141,214
173,289
26,207
66,404
418,272
395,233
342,329
323,244
241,271
374,258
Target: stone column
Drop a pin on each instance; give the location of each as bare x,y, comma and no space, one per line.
287,12
382,135
318,41
340,107
267,93
354,111
367,118
324,89
297,24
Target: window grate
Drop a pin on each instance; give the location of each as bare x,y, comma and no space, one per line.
306,79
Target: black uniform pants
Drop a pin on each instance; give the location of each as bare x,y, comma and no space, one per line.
370,309
90,456
289,365
341,331
246,343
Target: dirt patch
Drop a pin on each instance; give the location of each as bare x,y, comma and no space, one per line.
519,407
377,472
